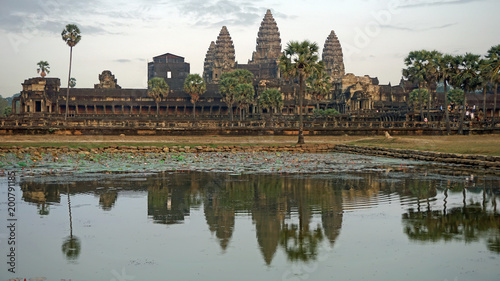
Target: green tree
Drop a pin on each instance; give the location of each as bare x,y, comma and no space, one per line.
4,106
318,85
195,87
70,35
468,80
456,96
493,62
431,74
228,87
43,68
158,89
245,94
7,111
417,96
72,82
300,60
271,99
446,70
416,72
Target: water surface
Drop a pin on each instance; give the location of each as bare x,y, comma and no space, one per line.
378,225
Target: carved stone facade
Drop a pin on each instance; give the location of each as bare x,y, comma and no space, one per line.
107,81
360,91
350,93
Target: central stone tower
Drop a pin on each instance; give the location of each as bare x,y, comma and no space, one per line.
268,50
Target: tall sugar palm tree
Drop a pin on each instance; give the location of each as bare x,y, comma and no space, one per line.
446,70
158,89
493,57
468,80
72,82
70,35
195,87
416,73
485,73
300,60
43,68
431,75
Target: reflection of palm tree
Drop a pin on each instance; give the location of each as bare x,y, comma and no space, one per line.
468,223
71,246
300,243
44,209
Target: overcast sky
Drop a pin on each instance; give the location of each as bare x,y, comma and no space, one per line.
123,35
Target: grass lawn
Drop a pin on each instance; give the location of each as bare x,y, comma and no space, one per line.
476,144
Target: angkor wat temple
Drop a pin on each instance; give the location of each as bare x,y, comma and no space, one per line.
350,94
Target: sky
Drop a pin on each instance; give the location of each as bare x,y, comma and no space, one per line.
124,35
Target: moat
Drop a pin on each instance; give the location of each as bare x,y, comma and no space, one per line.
374,223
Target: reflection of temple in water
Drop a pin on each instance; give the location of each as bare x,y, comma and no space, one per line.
296,214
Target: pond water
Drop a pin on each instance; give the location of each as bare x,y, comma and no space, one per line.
378,225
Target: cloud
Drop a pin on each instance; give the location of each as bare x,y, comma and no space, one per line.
418,29
215,13
122,60
92,16
128,60
428,3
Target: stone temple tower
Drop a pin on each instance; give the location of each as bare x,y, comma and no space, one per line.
268,41
224,58
209,63
333,58
268,50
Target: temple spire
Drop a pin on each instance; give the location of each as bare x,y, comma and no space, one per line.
268,48
224,58
333,58
209,63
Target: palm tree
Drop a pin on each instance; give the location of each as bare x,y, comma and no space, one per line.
468,80
70,35
300,60
195,87
72,82
43,68
485,80
158,89
71,246
319,85
493,57
447,68
416,73
431,74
